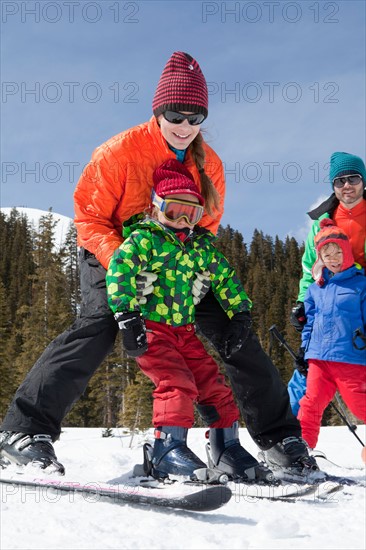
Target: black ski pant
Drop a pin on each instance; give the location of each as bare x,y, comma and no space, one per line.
61,374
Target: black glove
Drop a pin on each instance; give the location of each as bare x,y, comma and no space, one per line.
133,330
297,317
235,333
301,363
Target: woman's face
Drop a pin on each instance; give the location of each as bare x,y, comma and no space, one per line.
179,136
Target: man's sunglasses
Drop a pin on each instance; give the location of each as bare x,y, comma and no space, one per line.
175,210
353,179
178,118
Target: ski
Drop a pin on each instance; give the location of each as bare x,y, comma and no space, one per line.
319,454
325,490
195,498
270,492
290,492
345,480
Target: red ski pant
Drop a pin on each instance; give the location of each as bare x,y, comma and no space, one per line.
323,380
184,374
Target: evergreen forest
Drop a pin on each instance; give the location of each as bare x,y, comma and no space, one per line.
39,297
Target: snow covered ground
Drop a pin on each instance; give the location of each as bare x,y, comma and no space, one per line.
33,520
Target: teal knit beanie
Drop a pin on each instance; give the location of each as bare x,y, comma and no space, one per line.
342,164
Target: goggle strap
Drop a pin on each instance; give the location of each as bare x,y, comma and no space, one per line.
157,201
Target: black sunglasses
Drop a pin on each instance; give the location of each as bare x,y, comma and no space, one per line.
178,118
352,180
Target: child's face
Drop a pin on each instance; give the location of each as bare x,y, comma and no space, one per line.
182,222
332,256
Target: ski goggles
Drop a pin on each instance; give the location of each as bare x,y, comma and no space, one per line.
177,118
353,179
175,210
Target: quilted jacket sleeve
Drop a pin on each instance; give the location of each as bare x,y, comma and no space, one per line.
98,192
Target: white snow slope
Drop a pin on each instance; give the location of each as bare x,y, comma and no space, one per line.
37,520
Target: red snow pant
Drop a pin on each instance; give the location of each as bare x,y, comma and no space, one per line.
323,380
184,374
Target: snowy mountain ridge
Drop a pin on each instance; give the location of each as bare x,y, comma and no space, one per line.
34,215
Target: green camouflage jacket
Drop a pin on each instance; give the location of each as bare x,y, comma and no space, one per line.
150,246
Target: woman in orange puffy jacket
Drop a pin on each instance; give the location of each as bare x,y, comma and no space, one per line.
115,185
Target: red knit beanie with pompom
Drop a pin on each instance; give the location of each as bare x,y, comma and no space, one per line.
173,178
330,233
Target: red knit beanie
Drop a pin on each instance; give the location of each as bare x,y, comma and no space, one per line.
182,87
173,178
330,233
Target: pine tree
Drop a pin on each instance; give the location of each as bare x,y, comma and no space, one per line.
70,262
6,367
231,243
16,259
48,312
137,410
292,266
16,268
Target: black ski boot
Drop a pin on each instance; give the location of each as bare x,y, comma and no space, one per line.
226,454
21,449
170,455
290,460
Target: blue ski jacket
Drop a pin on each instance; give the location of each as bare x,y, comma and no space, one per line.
336,318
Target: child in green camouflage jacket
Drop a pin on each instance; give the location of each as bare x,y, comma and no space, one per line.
161,332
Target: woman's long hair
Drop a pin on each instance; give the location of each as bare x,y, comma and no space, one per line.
208,190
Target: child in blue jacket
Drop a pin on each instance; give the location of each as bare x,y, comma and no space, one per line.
334,337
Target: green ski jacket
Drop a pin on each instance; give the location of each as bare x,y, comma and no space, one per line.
150,246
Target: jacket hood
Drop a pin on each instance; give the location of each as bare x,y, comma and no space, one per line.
327,207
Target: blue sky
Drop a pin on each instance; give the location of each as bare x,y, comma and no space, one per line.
286,83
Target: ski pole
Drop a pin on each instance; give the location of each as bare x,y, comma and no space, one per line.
275,332
352,427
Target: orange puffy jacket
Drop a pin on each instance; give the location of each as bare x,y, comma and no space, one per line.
117,184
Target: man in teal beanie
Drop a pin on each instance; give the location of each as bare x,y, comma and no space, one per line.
347,208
